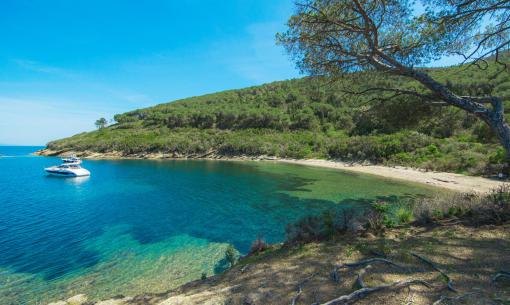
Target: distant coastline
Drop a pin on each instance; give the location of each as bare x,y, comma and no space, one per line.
450,181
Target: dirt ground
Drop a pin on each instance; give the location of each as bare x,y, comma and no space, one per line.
469,256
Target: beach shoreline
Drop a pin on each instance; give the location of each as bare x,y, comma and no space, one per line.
445,180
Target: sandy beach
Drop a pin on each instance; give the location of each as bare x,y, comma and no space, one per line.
450,181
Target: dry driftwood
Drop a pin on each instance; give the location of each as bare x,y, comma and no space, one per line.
363,292
431,264
299,289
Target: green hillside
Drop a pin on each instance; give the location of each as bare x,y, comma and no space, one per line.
312,118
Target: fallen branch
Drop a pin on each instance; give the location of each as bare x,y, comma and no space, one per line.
501,274
363,292
336,277
445,298
368,261
411,299
359,279
299,289
377,253
244,268
431,264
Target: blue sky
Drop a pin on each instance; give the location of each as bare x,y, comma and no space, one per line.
63,64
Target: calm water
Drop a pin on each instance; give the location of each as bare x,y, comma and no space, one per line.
147,226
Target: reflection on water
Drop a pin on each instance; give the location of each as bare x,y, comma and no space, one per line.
70,180
144,226
78,180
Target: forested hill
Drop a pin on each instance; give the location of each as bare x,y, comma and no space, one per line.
312,118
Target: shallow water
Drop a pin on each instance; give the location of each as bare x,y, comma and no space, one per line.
147,226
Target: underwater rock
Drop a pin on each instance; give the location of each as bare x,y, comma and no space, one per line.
78,299
58,303
115,301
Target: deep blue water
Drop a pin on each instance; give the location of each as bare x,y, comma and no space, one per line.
63,233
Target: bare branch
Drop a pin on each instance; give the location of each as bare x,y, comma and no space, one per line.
368,261
431,264
299,288
363,292
457,298
501,274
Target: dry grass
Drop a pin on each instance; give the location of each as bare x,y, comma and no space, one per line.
471,208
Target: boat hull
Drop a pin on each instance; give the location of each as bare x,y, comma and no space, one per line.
67,173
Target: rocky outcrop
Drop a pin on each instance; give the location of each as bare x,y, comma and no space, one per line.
113,155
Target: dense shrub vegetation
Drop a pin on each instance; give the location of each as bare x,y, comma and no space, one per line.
469,208
311,117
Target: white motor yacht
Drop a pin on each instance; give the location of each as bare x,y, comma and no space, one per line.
71,159
67,170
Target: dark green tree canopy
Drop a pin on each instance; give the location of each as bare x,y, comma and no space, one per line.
101,123
336,36
476,29
331,37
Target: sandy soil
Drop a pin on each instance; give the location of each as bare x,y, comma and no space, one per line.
469,256
451,181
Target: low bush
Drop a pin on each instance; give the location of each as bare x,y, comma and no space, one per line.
404,215
491,208
326,225
257,246
231,255
472,209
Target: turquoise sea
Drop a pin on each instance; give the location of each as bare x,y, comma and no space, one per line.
148,226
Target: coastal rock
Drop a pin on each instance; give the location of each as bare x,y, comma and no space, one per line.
78,299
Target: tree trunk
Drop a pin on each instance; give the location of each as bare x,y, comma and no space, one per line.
494,116
496,121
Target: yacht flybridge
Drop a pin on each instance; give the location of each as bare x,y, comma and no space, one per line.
69,168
